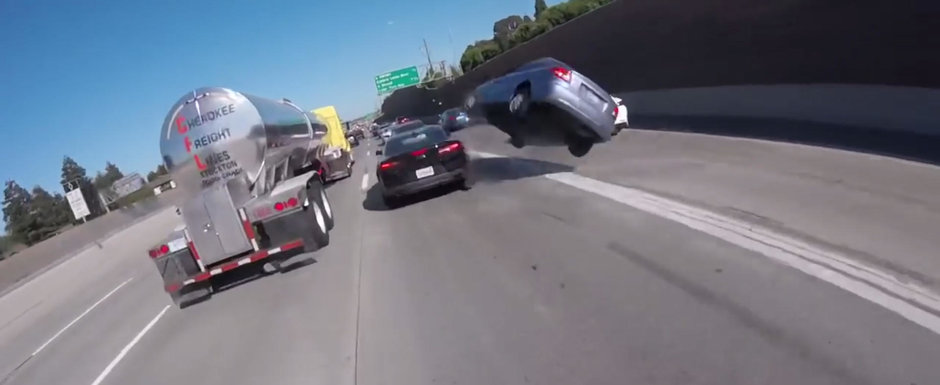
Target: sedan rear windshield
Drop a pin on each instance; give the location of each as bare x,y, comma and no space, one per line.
416,140
407,127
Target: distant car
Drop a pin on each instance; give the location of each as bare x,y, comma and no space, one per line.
419,160
357,132
402,119
405,127
378,128
454,119
623,120
336,162
546,102
353,140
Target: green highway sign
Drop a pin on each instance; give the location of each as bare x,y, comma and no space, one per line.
391,81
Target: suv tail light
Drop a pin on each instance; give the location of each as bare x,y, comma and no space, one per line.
562,73
451,147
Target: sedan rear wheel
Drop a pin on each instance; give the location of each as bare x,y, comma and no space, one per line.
580,147
519,104
516,142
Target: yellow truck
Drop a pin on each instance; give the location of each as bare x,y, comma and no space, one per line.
335,151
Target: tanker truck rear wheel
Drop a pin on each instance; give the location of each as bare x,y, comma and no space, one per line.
316,192
316,234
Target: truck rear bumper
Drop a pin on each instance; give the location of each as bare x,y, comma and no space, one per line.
232,265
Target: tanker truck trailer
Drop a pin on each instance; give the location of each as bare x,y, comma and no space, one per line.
250,186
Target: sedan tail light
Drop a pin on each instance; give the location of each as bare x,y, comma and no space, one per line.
451,147
616,110
419,152
562,73
387,165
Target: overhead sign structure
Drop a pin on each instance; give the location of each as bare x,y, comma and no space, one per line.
77,203
391,81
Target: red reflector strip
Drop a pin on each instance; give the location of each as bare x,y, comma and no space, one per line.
292,245
192,249
241,262
258,256
249,229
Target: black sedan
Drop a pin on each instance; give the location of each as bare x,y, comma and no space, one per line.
419,160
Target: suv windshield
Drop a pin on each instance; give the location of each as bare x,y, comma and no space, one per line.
425,137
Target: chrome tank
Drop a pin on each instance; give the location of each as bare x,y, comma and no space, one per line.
216,136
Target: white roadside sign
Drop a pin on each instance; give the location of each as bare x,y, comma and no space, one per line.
77,203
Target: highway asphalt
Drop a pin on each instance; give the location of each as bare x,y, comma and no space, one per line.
660,258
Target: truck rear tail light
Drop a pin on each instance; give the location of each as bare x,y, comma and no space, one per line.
281,206
455,146
160,251
387,165
562,73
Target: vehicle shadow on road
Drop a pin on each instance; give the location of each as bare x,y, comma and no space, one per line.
905,145
483,171
292,260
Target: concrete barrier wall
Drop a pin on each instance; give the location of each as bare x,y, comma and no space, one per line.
889,108
681,56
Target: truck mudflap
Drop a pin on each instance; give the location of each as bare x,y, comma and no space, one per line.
232,265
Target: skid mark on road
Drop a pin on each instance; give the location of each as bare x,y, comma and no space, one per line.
909,300
767,330
117,359
18,316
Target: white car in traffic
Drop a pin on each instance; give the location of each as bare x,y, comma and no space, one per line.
622,120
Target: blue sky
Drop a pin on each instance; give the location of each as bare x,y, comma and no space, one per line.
94,79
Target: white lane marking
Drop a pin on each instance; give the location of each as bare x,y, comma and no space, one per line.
80,316
365,182
485,155
864,281
368,153
107,370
